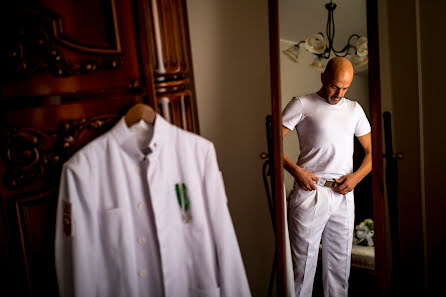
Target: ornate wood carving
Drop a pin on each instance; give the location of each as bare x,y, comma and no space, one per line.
31,155
26,157
36,47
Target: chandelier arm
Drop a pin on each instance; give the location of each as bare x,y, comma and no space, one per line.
353,35
330,29
346,50
347,46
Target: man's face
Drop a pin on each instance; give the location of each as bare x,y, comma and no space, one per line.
335,86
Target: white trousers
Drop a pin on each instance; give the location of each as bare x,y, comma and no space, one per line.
312,216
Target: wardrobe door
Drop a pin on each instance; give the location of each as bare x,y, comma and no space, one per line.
70,70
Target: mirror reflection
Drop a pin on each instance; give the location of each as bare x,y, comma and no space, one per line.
328,188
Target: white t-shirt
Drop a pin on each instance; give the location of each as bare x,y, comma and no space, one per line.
325,133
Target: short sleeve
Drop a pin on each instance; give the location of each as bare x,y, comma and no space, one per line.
292,114
362,125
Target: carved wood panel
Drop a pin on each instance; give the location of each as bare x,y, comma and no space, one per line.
53,47
71,69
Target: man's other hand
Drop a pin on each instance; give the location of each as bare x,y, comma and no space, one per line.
305,179
346,184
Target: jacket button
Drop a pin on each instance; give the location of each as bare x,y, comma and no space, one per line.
142,240
142,273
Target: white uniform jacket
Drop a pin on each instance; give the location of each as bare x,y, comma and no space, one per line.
101,194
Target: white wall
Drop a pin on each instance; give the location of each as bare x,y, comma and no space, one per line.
230,53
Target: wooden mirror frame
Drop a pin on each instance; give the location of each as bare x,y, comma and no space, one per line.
382,258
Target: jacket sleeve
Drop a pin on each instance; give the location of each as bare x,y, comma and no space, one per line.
74,240
232,276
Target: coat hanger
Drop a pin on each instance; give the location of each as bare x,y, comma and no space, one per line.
139,112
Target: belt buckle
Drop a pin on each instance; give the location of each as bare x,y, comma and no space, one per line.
330,183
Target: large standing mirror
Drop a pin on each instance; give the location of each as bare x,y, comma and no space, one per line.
303,27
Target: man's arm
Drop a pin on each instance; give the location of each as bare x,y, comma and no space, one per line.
348,182
304,178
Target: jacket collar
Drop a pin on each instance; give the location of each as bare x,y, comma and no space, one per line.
127,138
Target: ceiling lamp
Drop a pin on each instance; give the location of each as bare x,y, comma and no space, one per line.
323,48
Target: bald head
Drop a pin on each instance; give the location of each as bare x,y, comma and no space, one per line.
336,79
339,66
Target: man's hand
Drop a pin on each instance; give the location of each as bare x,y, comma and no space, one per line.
347,184
305,179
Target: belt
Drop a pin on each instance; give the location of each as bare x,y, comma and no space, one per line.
330,183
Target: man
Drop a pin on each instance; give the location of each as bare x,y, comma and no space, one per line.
321,205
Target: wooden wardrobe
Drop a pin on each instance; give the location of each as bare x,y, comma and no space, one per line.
68,71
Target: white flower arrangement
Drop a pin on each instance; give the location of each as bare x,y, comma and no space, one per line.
363,234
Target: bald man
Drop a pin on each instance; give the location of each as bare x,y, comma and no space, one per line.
321,205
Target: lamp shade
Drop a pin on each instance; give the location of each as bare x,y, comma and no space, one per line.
319,63
315,44
292,52
359,61
362,47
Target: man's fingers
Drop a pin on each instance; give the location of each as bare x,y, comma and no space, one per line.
341,189
306,180
304,186
308,186
340,180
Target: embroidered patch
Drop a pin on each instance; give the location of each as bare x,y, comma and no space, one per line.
67,220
